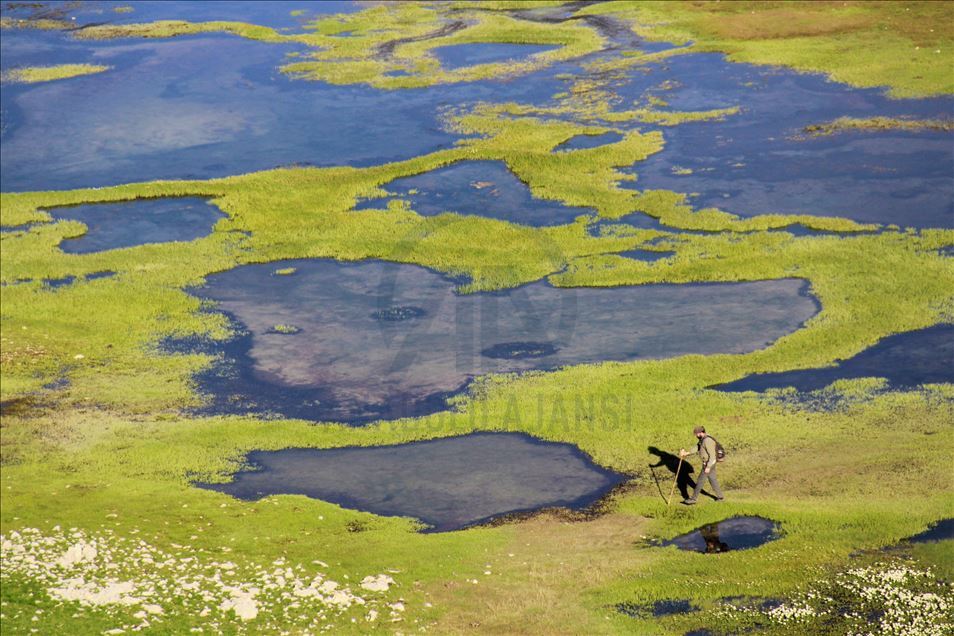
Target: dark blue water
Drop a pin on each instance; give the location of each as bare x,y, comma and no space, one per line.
943,530
481,188
356,342
646,256
19,229
99,275
125,224
637,221
750,164
448,483
198,107
736,533
907,360
657,609
53,283
69,279
589,141
275,13
208,106
460,55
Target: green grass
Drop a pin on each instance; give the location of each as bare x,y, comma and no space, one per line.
37,74
905,46
115,449
174,28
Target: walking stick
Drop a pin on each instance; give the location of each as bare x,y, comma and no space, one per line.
673,489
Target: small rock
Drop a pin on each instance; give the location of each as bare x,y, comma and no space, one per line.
379,583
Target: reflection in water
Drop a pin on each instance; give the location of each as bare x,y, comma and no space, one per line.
447,483
737,533
127,223
481,188
710,534
907,360
381,340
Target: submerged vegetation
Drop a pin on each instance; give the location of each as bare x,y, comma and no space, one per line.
103,528
843,124
36,74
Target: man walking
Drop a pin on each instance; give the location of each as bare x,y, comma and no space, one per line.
708,453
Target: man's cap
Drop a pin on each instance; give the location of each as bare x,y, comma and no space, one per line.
699,429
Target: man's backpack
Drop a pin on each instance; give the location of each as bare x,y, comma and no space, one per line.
720,451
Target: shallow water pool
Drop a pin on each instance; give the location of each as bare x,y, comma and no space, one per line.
480,188
129,223
736,533
361,341
448,483
906,360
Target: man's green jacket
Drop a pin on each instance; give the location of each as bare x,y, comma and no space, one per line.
707,452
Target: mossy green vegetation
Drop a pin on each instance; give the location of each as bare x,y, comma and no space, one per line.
382,45
37,74
98,443
906,46
285,329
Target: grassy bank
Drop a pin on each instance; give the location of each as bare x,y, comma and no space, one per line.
905,46
37,74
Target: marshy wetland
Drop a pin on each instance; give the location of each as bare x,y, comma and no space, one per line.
362,316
